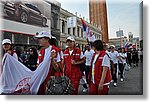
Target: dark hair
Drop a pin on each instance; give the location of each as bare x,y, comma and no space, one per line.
98,44
53,41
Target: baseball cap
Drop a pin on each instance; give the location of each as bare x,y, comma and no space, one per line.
6,41
43,34
112,46
70,38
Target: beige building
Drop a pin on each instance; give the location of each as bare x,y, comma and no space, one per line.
76,31
118,42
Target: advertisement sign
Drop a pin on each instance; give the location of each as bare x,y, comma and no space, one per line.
119,33
71,22
27,17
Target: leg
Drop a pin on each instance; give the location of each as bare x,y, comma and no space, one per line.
93,89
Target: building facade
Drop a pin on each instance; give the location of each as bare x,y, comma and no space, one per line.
98,16
76,31
118,42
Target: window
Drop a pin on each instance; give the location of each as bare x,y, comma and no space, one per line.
68,30
78,32
74,31
63,27
81,32
32,7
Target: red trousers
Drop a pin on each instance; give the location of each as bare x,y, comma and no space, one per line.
75,83
94,90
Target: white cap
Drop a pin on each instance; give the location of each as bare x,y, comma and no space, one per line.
53,37
44,34
112,46
6,41
70,38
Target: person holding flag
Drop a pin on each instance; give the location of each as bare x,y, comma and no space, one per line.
44,41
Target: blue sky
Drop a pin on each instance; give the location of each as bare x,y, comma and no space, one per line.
120,13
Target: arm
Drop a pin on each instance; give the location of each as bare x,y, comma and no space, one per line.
83,60
54,63
80,62
101,84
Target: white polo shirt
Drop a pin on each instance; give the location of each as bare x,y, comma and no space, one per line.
88,55
114,56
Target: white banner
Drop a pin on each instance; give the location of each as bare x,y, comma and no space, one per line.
18,79
71,22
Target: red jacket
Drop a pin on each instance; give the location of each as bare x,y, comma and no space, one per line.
98,69
42,89
72,71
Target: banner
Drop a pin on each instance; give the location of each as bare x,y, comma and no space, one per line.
119,33
18,79
71,22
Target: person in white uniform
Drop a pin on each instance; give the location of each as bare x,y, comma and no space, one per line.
123,56
8,48
114,57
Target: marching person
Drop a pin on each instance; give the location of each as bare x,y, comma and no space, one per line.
123,56
88,55
135,57
8,48
114,55
54,42
72,60
100,75
43,38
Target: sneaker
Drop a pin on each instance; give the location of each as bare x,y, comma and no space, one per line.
121,79
85,90
115,84
112,81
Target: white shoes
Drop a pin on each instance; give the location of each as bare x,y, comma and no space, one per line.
121,79
85,90
115,84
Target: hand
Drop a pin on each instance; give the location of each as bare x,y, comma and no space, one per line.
113,72
53,55
73,62
100,86
9,52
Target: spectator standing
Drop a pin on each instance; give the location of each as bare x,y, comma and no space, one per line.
32,59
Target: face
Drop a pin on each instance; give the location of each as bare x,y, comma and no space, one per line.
70,43
31,51
123,50
112,49
43,41
6,47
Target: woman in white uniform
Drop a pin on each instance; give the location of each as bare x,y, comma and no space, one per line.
123,56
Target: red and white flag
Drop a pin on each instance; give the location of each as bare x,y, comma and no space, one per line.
16,78
87,32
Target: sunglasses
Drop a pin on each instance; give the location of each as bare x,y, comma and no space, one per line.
6,44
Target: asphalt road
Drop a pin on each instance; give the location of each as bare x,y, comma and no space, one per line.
132,84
